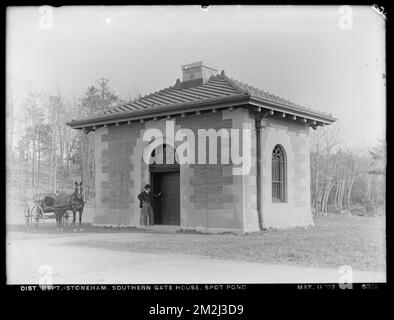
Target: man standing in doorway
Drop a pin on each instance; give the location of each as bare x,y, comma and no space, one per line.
146,198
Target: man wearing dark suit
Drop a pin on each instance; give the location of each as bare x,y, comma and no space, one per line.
146,198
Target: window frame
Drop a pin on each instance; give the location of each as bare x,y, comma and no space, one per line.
278,175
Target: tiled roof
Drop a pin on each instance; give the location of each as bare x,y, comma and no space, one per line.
258,93
216,87
218,91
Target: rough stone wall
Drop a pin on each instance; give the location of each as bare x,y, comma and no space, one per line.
212,198
208,193
115,187
294,138
245,186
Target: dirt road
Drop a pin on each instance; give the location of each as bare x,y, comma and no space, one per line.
59,257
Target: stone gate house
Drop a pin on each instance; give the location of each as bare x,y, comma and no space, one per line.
210,197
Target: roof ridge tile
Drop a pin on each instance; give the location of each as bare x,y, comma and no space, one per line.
233,83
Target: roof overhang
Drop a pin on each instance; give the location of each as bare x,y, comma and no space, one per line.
310,115
220,102
244,100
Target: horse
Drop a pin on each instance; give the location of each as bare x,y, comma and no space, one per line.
73,202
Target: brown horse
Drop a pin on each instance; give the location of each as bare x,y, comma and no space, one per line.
73,202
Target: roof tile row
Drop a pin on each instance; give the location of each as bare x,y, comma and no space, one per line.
217,86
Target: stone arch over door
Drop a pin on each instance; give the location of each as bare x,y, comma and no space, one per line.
141,173
164,173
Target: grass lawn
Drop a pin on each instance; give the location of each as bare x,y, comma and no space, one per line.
334,241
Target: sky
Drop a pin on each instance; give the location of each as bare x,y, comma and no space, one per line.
328,58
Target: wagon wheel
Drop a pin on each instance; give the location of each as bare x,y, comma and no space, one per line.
67,218
37,215
27,215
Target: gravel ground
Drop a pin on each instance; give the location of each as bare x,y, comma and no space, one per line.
333,242
61,260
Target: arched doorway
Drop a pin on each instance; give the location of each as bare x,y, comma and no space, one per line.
165,178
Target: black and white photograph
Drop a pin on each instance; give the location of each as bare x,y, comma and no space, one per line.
195,146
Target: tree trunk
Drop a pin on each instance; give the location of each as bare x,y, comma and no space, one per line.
21,165
339,183
340,195
67,158
69,152
26,148
327,196
61,145
323,202
55,174
33,162
321,197
336,195
351,185
369,187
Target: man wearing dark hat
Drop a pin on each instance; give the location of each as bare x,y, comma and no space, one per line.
146,198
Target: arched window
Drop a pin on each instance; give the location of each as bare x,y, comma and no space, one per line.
163,152
278,175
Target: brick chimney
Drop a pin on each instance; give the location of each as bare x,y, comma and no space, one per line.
196,74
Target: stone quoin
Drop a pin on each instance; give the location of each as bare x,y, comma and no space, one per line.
206,197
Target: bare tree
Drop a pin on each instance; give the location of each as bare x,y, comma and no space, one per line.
325,141
98,98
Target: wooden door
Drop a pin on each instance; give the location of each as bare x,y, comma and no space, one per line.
170,203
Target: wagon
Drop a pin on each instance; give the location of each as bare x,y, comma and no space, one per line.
42,209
